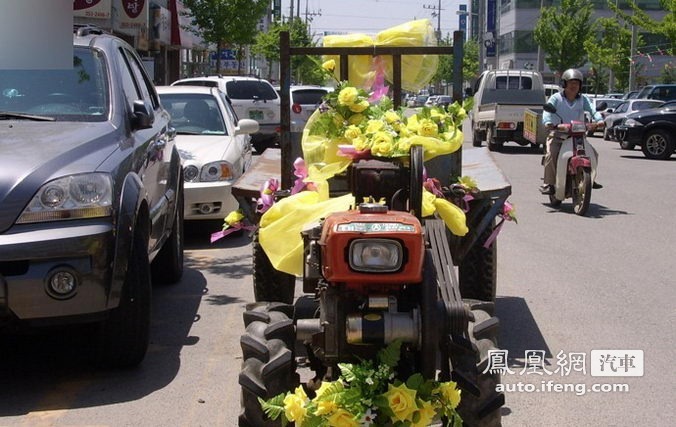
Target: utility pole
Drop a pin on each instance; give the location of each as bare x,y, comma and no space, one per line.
436,13
311,14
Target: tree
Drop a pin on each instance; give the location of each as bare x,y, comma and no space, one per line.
303,68
226,22
610,50
666,27
561,32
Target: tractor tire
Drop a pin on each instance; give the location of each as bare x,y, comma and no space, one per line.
268,362
270,284
478,271
480,403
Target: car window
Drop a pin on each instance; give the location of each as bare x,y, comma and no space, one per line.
642,105
77,94
194,114
622,107
250,89
146,88
205,83
308,96
228,108
129,85
513,82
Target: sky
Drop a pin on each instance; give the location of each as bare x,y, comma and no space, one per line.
372,16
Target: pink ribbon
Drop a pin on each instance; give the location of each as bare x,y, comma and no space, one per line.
505,215
235,227
267,198
379,88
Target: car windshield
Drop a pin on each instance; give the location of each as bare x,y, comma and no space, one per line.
194,114
308,96
76,94
250,89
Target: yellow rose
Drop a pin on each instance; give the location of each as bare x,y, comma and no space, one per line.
437,115
426,414
404,145
428,128
391,116
342,418
352,132
401,400
374,126
329,65
294,406
361,143
356,119
360,106
347,96
449,393
382,144
326,407
233,218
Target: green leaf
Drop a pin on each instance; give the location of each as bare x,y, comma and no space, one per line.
415,381
274,407
390,354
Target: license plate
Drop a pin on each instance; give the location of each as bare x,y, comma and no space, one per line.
256,115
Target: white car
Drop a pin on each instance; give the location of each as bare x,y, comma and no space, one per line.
304,100
214,146
252,98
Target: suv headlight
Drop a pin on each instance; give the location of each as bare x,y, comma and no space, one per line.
72,197
376,255
217,171
632,123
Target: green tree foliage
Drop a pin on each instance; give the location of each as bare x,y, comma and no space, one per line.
304,69
666,27
610,50
226,22
562,31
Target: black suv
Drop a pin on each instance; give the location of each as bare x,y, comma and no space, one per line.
90,194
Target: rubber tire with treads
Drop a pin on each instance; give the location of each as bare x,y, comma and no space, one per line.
581,199
268,362
482,410
270,284
167,267
124,335
477,274
658,144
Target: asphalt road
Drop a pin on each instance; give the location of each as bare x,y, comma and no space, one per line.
567,284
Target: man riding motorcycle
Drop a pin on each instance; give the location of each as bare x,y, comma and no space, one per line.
570,106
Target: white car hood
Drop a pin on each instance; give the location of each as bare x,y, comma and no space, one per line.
201,149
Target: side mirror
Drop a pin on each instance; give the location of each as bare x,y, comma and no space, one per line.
246,127
143,115
550,108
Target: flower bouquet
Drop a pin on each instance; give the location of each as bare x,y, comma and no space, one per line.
369,394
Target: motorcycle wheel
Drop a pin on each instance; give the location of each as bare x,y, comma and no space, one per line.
268,360
269,284
582,191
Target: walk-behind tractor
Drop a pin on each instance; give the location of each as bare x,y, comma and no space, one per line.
377,273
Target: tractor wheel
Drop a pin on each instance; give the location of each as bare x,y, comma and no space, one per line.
416,181
270,284
478,271
268,360
480,403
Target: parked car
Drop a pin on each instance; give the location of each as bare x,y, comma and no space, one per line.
91,196
614,95
443,101
654,130
214,146
252,98
664,92
610,105
626,107
630,95
417,101
304,100
551,89
431,101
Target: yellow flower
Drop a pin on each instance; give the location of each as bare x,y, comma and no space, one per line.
391,116
428,128
382,144
360,106
356,119
347,96
342,418
294,406
329,65
449,393
404,145
233,218
326,407
437,115
401,400
361,143
352,132
374,126
426,413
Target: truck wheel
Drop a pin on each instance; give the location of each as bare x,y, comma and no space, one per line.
478,271
270,284
658,145
124,335
167,267
268,362
480,403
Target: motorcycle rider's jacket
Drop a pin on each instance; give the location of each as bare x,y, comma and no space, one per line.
569,111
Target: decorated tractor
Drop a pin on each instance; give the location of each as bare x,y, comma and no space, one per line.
394,321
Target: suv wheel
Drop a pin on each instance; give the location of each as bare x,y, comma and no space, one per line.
167,267
124,335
